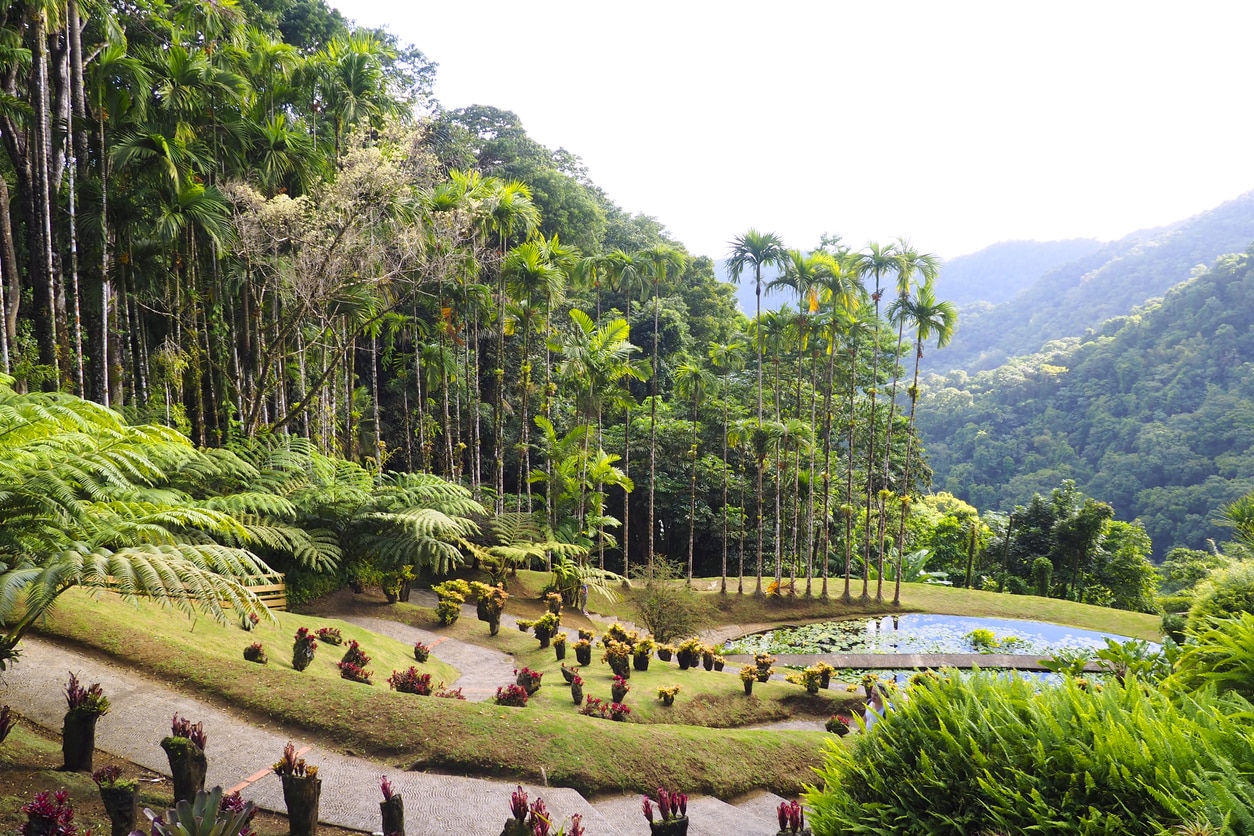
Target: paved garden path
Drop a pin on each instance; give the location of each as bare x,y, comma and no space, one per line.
240,753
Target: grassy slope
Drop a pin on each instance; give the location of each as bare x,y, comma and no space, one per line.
594,756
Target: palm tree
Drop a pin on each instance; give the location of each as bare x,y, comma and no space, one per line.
931,319
876,261
909,263
840,290
658,261
531,280
694,383
757,250
726,357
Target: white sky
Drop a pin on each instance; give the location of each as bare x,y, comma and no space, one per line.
955,124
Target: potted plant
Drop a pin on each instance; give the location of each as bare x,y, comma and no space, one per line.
618,657
185,750
553,601
748,675
825,674
411,682
512,695
837,724
619,688
255,653
641,653
719,662
452,594
792,820
583,652
301,790
619,712
489,604
667,694
544,627
303,648
665,652
576,689
391,808
688,653
707,658
208,813
763,662
528,679
421,652
534,819
569,674
330,635
808,679
78,733
672,808
559,646
120,797
353,665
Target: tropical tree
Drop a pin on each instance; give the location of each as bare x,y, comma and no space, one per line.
694,383
931,319
755,250
877,261
85,501
726,357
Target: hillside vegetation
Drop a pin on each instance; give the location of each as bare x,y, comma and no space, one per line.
1153,413
1084,293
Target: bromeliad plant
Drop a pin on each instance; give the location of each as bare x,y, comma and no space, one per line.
533,819
422,652
49,815
792,819
672,807
303,648
411,682
330,635
511,695
353,665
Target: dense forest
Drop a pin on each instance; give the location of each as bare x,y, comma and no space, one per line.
254,224
1153,413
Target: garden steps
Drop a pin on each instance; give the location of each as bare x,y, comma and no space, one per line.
750,815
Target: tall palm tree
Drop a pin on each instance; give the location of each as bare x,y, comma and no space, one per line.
659,260
726,357
531,280
931,319
910,262
695,383
878,261
755,250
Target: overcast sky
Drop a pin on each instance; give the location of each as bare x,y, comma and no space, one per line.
954,124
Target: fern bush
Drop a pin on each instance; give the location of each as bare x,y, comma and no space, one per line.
987,753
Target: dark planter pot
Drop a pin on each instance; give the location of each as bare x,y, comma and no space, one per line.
121,804
718,666
825,680
583,655
621,667
707,662
568,674
640,661
404,594
483,611
301,657
544,636
686,659
559,650
393,812
664,655
391,597
674,827
78,741
668,699
618,692
187,766
516,827
300,794
494,624
748,683
530,683
576,694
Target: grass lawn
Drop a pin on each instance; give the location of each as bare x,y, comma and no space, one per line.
698,743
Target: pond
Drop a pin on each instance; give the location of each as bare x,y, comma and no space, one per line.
919,633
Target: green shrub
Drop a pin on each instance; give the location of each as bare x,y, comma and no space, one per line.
1225,593
988,753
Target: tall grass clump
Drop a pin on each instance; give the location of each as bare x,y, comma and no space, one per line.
990,753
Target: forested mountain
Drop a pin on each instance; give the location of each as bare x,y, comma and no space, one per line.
998,272
1153,412
1108,282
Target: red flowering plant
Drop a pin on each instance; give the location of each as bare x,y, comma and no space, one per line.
512,695
671,806
421,651
49,815
186,729
85,701
303,648
792,818
450,693
529,679
353,665
411,682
